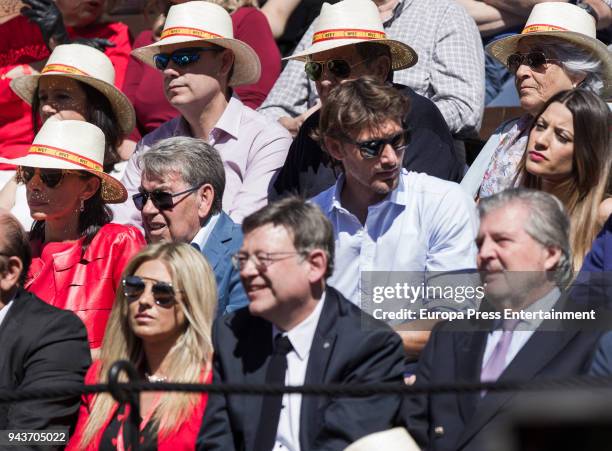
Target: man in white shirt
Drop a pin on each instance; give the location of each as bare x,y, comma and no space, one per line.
385,218
296,330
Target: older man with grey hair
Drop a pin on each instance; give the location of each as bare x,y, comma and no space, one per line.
524,257
180,200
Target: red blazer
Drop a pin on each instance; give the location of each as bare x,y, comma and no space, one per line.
182,439
86,285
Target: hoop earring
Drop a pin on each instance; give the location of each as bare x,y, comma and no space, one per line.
82,205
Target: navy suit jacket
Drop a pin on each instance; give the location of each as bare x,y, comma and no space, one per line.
224,241
454,353
348,346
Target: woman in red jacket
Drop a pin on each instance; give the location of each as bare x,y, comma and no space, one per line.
161,322
78,254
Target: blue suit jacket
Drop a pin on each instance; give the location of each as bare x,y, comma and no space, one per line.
600,257
225,240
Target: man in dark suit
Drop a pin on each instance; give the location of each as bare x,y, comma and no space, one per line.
296,331
182,185
40,346
523,255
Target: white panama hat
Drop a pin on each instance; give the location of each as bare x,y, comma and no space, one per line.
351,22
89,66
563,21
76,145
199,21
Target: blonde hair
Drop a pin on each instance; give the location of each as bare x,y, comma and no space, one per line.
588,185
232,5
193,277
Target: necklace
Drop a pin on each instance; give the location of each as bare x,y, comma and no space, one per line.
154,378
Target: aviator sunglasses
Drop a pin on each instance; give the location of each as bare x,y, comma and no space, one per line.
337,67
161,199
373,148
182,57
532,59
50,177
134,287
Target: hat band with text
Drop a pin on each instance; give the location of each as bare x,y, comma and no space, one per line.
347,33
186,31
66,155
538,27
63,68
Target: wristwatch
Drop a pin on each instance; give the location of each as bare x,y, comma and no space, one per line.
588,8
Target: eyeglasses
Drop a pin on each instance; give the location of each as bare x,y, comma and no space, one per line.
161,199
50,177
373,148
261,259
533,60
338,68
182,57
134,287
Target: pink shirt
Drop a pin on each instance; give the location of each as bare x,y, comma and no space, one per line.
253,149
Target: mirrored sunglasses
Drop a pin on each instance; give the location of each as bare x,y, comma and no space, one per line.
161,199
337,67
373,148
533,59
134,287
182,57
50,177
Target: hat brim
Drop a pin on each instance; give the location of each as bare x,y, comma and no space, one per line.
26,86
113,191
502,48
247,67
402,55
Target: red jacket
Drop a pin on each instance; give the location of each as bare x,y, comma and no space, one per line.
182,439
86,285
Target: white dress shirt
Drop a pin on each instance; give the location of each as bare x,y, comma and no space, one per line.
301,336
202,236
426,224
524,330
4,311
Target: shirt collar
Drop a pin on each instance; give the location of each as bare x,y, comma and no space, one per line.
301,335
204,233
544,304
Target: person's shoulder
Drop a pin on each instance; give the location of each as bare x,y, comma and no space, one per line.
265,125
112,229
246,13
424,184
324,199
35,310
165,130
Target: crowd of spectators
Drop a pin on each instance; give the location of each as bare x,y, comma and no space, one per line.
186,200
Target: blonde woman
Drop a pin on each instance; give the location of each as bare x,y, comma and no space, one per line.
568,155
161,322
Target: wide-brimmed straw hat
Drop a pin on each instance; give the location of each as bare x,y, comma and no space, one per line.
562,21
351,22
9,9
72,145
89,66
198,21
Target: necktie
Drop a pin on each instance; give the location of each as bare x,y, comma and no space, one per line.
497,361
271,406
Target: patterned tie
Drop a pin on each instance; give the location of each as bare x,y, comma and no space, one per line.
271,406
497,360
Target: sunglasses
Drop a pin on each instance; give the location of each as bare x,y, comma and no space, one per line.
338,68
161,199
373,148
50,177
182,57
533,60
134,287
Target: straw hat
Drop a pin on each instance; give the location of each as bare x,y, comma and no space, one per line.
9,9
198,21
563,21
87,65
72,145
350,22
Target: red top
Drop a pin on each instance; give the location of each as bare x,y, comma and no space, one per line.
21,42
183,438
85,284
144,84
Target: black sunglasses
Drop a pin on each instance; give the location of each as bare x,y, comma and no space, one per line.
134,287
182,57
532,59
338,68
161,199
373,148
50,177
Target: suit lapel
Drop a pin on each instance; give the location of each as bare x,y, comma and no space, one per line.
214,249
10,333
469,350
318,361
